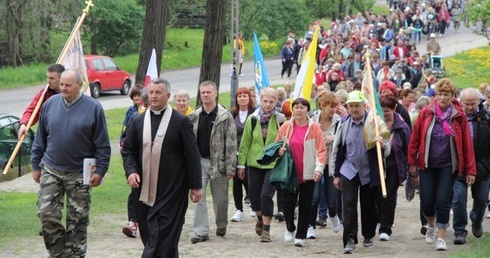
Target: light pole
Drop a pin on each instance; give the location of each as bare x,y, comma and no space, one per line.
236,52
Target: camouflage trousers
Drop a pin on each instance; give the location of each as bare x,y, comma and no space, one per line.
60,241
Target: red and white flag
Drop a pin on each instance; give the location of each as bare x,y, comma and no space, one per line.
74,60
152,72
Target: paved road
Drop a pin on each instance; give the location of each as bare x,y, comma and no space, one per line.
14,101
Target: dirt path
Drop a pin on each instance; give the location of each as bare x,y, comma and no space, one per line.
106,239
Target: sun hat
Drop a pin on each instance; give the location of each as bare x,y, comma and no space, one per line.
355,97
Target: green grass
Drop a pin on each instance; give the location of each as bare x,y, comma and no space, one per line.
183,49
476,248
469,68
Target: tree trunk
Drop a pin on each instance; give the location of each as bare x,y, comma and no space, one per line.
14,24
154,31
46,22
212,52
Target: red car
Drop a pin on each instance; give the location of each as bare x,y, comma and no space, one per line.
104,75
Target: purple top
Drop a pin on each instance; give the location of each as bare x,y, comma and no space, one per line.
440,150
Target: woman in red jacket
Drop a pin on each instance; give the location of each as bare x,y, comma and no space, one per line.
443,18
440,149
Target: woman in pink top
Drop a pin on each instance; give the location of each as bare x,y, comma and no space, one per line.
305,140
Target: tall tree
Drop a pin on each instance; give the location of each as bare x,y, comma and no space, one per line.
14,25
212,50
154,30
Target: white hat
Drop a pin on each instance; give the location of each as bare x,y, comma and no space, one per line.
407,8
432,35
415,63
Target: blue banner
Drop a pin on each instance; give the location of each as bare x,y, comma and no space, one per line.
261,77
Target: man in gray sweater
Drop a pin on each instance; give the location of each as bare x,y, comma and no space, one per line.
71,128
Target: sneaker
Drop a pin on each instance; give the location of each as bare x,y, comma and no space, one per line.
279,216
350,246
477,230
252,213
221,232
258,227
198,238
288,236
131,229
321,222
242,74
384,237
238,216
299,242
460,238
441,245
423,230
368,242
265,237
335,223
311,233
429,236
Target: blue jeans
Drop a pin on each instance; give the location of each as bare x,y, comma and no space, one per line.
416,36
436,188
330,197
479,192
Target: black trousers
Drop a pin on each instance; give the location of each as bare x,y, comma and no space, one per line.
305,195
387,205
261,191
238,186
352,190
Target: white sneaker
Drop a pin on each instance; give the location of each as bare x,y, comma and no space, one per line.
299,242
384,237
252,212
441,245
335,223
429,236
242,74
311,233
288,236
238,216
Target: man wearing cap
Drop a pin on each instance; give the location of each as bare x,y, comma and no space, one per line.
433,47
356,173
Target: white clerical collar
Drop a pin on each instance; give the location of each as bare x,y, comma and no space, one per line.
158,112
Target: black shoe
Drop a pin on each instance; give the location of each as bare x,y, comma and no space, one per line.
460,238
197,239
477,230
279,216
368,242
321,222
423,230
221,232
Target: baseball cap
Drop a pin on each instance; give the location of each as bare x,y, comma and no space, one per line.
432,35
355,97
415,63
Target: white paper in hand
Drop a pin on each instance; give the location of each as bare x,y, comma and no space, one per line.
88,170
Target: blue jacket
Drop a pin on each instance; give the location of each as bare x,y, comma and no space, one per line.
287,53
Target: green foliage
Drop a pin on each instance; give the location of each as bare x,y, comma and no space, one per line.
116,26
273,18
478,10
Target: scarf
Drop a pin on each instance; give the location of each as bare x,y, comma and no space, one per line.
264,117
151,156
443,118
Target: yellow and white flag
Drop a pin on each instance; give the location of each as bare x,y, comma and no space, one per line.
304,80
74,60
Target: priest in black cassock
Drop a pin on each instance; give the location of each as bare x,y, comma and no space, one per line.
162,161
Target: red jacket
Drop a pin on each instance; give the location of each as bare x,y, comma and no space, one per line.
464,147
30,109
397,53
439,15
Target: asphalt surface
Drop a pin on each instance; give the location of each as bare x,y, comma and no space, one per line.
14,101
